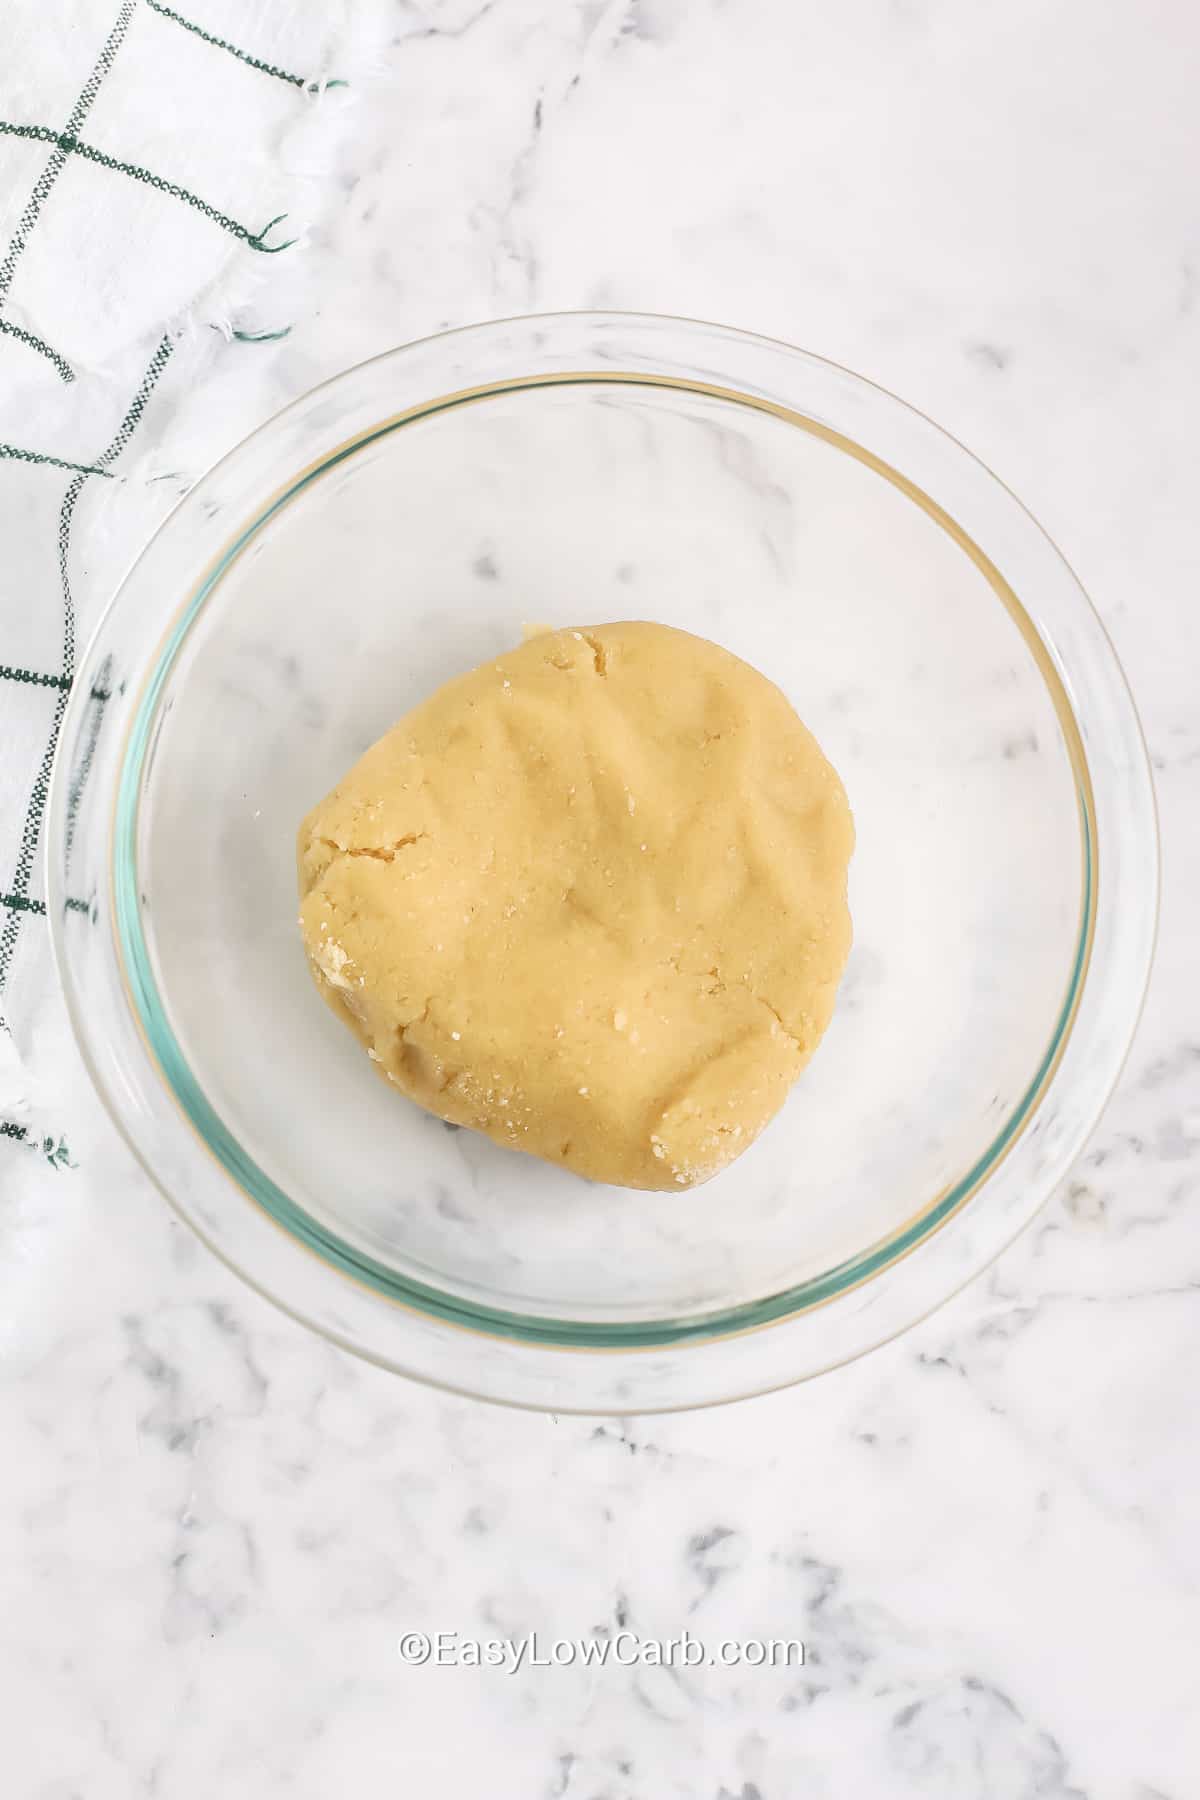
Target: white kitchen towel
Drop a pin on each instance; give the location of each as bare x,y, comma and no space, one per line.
157,170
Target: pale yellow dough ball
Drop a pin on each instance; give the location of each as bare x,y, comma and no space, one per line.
589,899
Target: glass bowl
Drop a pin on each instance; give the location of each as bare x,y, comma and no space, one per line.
399,525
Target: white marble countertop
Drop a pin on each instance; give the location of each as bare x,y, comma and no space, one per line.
215,1527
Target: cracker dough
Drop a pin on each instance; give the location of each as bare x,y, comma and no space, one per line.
589,899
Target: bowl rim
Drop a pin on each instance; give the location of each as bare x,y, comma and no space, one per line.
177,1078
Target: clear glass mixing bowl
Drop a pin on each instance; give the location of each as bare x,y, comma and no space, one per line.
398,525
